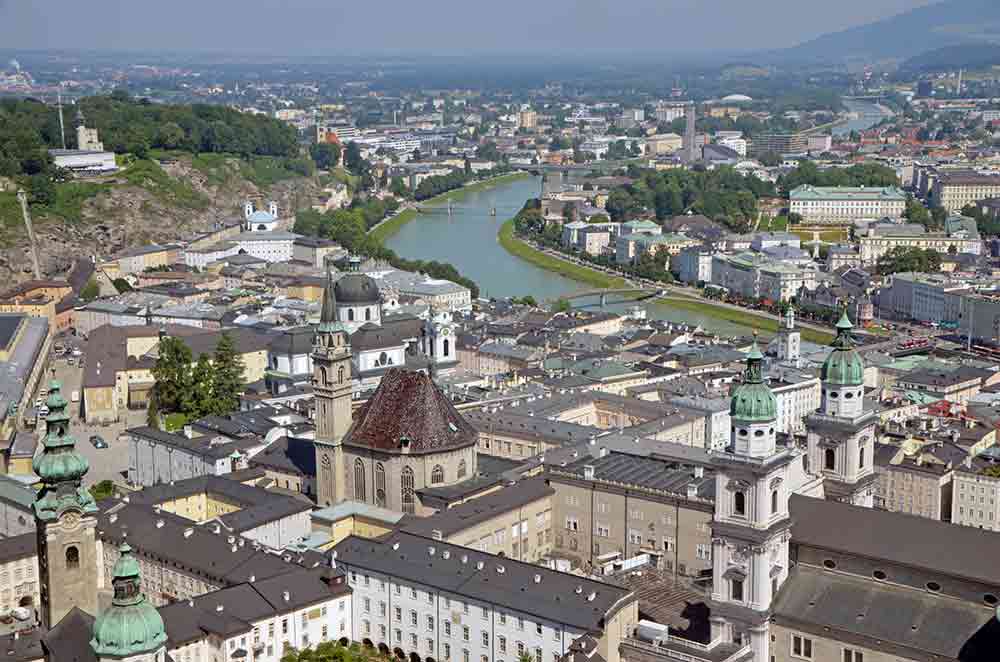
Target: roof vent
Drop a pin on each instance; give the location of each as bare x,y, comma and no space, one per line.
538,578
159,523
578,590
190,603
188,532
286,596
591,596
113,518
465,558
231,539
219,607
431,550
395,546
234,548
699,472
480,565
216,529
446,554
252,579
501,569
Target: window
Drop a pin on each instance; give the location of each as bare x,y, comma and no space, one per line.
502,643
447,347
406,490
399,614
447,628
774,502
367,627
430,646
399,636
830,459
520,625
465,633
359,480
861,458
465,655
368,314
413,618
447,651
538,655
503,618
430,622
413,640
380,485
802,647
736,589
350,314
851,655
381,609
368,605
72,558
437,475
538,628
520,648
486,639
461,469
740,504
572,523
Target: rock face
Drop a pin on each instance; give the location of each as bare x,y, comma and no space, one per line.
128,216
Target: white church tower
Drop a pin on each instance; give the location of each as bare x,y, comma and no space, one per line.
789,340
841,434
751,525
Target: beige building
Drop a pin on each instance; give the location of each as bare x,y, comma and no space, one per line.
663,143
954,190
845,204
631,505
975,497
19,585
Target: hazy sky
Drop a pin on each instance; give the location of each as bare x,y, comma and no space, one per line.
316,27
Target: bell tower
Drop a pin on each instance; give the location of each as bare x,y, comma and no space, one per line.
789,340
65,521
333,391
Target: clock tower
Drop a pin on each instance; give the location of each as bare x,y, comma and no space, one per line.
333,391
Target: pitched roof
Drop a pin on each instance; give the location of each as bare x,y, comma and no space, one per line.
409,411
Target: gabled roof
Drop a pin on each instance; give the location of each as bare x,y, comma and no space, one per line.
409,414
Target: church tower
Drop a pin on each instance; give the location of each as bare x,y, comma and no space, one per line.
841,434
65,520
790,340
131,629
332,388
751,524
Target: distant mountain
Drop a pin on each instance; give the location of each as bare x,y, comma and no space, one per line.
949,58
948,23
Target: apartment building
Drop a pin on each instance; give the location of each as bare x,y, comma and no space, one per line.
19,583
975,497
846,204
631,505
779,143
429,599
960,235
954,190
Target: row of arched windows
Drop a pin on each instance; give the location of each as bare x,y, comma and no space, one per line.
368,314
407,492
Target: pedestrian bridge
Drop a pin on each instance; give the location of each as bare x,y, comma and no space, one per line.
626,293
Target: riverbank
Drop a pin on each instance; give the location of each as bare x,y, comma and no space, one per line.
391,226
522,249
525,251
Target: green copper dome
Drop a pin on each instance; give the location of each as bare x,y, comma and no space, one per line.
130,626
59,466
844,366
752,400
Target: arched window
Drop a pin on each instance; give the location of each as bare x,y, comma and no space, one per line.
861,457
461,469
383,359
437,475
72,558
340,375
830,459
323,377
380,485
740,503
350,314
406,490
368,314
359,480
774,502
446,347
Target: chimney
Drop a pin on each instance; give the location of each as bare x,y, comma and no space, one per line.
188,532
159,523
252,579
699,472
588,471
692,490
538,578
188,431
286,596
219,607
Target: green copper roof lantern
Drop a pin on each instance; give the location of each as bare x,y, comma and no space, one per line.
843,367
59,466
131,625
753,400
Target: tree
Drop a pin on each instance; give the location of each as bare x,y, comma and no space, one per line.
153,411
904,258
993,471
398,188
938,216
90,291
41,190
228,383
122,285
172,372
203,383
770,159
353,159
325,155
102,490
561,306
915,212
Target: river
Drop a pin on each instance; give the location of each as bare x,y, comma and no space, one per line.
868,115
467,238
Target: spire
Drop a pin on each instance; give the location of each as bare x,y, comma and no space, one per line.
59,466
328,315
844,328
131,625
754,373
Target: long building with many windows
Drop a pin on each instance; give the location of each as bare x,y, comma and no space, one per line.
846,204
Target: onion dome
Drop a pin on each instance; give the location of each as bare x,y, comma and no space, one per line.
328,315
753,400
357,289
843,367
131,625
59,466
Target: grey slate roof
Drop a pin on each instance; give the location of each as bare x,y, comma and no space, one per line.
648,472
900,617
471,513
553,597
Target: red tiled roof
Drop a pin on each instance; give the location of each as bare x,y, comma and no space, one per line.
408,414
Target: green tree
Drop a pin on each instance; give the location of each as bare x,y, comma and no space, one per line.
398,188
229,369
203,384
903,258
90,291
172,372
993,471
122,285
41,190
325,155
153,411
915,212
561,306
102,490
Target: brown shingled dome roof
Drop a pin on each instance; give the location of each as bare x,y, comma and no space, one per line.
408,413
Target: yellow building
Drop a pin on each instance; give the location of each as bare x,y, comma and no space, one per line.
354,518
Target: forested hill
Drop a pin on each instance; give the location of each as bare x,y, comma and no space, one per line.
28,128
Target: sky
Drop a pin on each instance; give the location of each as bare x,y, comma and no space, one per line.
330,27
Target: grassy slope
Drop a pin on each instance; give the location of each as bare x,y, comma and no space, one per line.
526,252
746,318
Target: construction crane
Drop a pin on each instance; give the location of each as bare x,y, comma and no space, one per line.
22,197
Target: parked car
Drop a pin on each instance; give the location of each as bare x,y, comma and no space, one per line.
98,442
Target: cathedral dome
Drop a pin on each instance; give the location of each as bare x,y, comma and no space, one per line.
844,366
131,625
753,400
356,288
